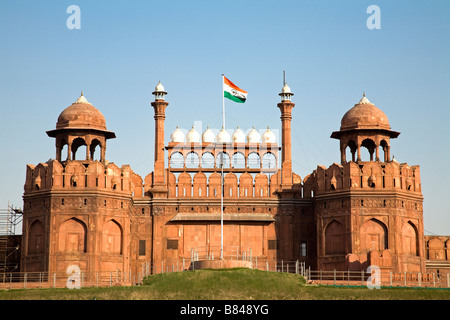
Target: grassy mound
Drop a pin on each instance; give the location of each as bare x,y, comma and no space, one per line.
221,284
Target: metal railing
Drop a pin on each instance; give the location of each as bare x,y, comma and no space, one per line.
24,280
384,278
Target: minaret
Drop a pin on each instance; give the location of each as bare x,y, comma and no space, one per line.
286,152
159,106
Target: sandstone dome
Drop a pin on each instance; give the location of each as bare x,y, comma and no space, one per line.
364,115
81,114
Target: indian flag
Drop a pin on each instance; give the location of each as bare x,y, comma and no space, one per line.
233,92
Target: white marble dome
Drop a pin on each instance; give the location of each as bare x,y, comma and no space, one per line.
238,136
253,136
223,136
268,136
177,135
208,136
286,89
193,136
159,87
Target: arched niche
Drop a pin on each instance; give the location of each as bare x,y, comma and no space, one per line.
410,239
72,236
436,249
200,188
230,185
334,238
214,185
112,237
374,236
246,185
36,235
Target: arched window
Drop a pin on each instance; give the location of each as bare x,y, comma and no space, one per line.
385,147
253,161
352,148
95,145
369,144
76,144
269,161
176,160
61,154
192,160
238,161
207,160
226,160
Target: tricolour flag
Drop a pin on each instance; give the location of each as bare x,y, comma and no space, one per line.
233,92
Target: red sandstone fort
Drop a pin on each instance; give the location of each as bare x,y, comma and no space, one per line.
102,217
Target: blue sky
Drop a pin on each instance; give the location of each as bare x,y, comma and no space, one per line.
330,56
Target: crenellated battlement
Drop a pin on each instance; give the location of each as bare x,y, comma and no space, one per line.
372,175
78,175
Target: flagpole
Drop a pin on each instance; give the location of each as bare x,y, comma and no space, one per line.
221,156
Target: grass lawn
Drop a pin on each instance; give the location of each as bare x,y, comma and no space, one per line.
228,284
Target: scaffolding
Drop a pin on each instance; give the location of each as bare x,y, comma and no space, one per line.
10,218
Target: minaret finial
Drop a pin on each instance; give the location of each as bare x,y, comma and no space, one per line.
364,94
81,92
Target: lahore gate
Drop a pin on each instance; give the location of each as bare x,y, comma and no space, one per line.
82,209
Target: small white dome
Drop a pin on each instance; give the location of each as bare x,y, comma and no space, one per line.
223,136
82,99
253,136
268,136
286,89
238,136
208,136
364,100
177,136
159,87
193,136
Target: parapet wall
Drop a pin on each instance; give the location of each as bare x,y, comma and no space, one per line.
371,175
76,175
